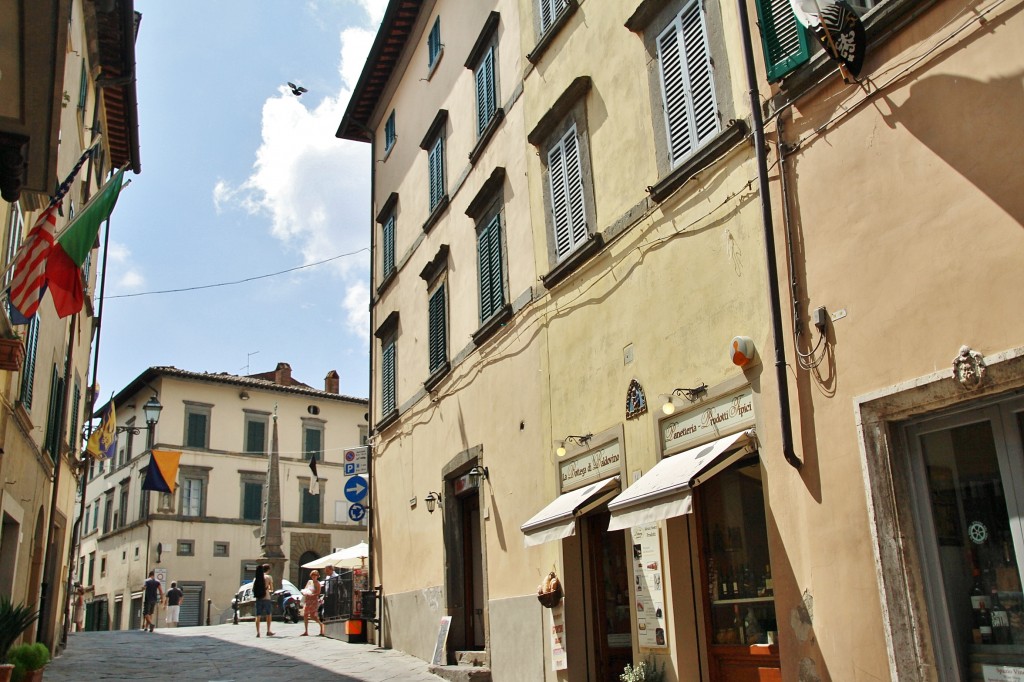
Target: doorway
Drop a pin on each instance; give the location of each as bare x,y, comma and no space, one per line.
607,577
472,569
8,553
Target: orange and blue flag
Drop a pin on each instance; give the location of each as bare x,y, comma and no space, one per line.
162,474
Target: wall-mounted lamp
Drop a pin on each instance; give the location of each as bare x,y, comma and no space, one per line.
477,471
151,410
576,440
432,499
159,551
243,395
690,394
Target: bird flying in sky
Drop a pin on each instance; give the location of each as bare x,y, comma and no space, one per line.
297,90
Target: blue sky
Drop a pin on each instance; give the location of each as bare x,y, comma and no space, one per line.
240,178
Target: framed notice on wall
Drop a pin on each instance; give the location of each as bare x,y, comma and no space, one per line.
648,586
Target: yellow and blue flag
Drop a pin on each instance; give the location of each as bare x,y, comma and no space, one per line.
162,474
103,441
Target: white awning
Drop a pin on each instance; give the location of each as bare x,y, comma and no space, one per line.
350,557
558,519
664,491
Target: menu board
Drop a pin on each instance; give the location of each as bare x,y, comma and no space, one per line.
556,621
649,588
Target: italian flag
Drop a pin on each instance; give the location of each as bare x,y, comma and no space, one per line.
64,262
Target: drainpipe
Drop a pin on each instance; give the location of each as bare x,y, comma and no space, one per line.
769,240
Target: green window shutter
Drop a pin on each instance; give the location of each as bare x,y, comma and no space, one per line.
255,436
434,42
783,38
567,206
74,438
252,502
28,368
389,245
436,172
492,293
485,99
387,381
52,415
437,333
310,507
196,430
314,444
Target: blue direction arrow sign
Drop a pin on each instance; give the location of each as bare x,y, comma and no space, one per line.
356,511
355,489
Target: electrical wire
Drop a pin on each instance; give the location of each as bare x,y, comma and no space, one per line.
240,281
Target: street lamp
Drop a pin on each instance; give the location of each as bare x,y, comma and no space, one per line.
151,410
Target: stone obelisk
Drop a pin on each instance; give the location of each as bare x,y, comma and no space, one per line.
271,537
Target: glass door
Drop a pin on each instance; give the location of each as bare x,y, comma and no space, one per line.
967,477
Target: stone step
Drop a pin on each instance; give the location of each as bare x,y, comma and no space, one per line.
461,673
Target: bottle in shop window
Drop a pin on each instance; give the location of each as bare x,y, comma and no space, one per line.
1001,633
769,586
977,592
735,585
747,582
723,585
984,620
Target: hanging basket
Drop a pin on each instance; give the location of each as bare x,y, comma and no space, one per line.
550,599
12,354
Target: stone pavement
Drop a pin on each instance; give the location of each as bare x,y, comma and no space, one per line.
229,653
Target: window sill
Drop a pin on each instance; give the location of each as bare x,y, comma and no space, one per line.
387,420
733,134
496,322
386,282
486,135
435,378
545,40
433,67
388,150
436,214
573,261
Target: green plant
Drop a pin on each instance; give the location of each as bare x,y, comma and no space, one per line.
26,658
645,671
14,620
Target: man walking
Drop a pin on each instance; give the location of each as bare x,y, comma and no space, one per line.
173,601
154,594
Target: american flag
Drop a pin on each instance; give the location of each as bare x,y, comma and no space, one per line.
26,290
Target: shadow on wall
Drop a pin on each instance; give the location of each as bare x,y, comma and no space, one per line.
974,126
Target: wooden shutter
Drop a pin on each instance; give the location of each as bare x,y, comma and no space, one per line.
28,367
567,200
387,370
389,245
196,430
314,444
549,11
438,332
434,42
485,98
436,168
691,112
256,436
252,501
310,507
783,38
492,294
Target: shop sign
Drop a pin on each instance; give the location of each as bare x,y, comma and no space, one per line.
650,595
1003,673
592,466
556,620
708,422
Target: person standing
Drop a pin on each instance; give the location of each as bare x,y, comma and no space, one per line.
311,606
173,601
154,594
330,594
263,590
79,607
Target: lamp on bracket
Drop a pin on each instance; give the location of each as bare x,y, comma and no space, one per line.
690,394
575,440
432,499
477,472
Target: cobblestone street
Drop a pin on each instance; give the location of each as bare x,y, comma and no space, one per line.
227,653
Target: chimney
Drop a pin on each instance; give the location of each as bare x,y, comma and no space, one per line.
283,374
331,382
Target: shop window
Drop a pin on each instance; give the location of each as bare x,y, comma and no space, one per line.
739,590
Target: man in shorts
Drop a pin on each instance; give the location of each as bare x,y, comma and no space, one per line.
154,594
173,601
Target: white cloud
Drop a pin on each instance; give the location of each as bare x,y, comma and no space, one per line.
126,278
130,281
313,187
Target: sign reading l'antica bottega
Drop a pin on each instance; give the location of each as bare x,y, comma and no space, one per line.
592,466
712,420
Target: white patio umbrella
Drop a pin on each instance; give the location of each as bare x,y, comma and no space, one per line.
350,557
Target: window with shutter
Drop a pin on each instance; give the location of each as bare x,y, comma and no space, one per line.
434,43
255,434
192,497
567,203
313,442
53,413
438,341
310,506
252,501
28,367
784,40
388,233
388,377
485,91
549,11
435,162
489,259
389,132
196,429
73,435
688,88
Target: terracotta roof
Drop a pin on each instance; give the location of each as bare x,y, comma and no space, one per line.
116,31
399,19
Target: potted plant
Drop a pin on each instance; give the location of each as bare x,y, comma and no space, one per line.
29,661
645,671
12,353
14,620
